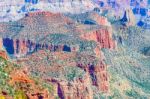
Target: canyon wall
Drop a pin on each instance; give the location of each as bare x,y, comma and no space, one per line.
37,59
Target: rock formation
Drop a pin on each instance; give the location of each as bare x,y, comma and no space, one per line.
3,54
101,20
128,18
102,36
50,60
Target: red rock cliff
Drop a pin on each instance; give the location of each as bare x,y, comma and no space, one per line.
102,36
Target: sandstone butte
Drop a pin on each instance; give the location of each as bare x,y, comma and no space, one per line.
80,88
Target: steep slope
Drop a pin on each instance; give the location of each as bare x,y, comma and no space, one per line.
129,65
16,83
61,51
91,55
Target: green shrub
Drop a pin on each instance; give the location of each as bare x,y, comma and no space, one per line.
71,73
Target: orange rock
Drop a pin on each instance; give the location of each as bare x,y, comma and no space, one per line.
19,76
102,36
74,90
3,54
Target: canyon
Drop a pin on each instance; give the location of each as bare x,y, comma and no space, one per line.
35,56
74,50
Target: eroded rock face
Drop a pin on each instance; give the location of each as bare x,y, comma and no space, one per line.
3,54
102,81
128,18
81,88
102,36
78,89
98,75
49,61
20,48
